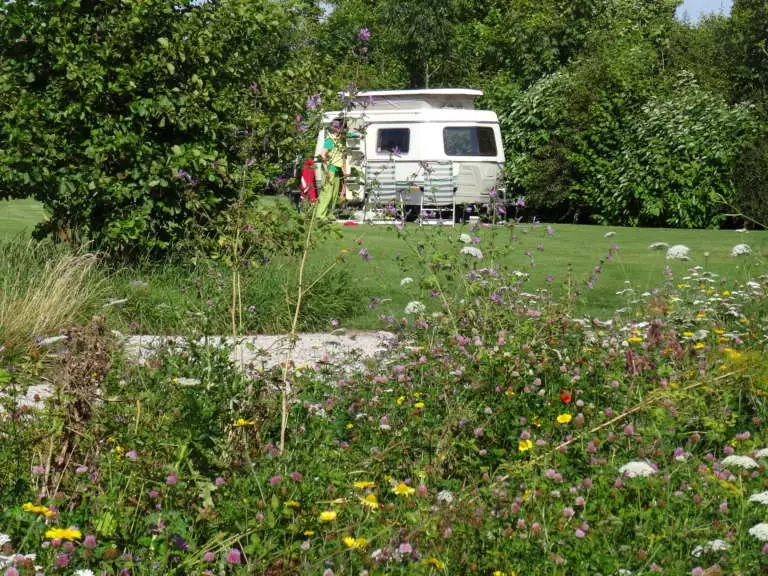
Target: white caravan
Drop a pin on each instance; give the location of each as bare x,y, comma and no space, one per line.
427,151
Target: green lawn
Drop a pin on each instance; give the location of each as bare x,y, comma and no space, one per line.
171,287
580,247
19,217
180,290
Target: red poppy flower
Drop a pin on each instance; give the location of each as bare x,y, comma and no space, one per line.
565,396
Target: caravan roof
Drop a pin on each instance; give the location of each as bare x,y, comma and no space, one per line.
437,98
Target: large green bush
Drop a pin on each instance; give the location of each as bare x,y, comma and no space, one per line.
130,120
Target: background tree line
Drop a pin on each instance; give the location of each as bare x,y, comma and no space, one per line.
132,120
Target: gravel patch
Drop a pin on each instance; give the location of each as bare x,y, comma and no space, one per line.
252,354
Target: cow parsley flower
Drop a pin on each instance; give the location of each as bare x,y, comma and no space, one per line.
741,250
760,498
639,468
678,252
658,246
405,281
445,496
762,453
717,545
415,307
465,239
4,539
84,572
472,251
740,462
760,531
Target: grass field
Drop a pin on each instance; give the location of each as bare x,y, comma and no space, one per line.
360,290
365,288
579,247
19,217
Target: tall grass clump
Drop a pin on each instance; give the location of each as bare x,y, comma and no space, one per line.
44,288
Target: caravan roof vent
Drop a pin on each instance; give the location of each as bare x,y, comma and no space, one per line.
418,99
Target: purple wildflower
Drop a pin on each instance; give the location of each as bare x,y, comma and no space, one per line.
233,556
364,35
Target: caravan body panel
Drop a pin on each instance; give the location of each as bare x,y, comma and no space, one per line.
417,127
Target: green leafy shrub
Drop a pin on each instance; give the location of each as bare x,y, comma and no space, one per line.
130,121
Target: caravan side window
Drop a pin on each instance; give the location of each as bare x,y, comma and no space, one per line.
469,141
397,140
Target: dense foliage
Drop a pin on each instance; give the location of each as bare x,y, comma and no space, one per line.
131,121
504,435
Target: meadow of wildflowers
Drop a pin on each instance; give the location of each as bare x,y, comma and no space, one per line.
505,434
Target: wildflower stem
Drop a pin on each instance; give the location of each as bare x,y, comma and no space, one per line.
292,336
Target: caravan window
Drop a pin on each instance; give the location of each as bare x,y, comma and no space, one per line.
469,141
393,140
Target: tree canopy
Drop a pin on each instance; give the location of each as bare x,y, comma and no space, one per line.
131,120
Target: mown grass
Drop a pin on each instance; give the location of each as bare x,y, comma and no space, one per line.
19,217
179,295
364,289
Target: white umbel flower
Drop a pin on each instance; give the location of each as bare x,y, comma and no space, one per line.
405,281
639,468
760,531
760,498
678,252
711,546
4,539
445,497
472,251
609,234
415,307
740,462
762,453
658,246
465,239
84,572
741,250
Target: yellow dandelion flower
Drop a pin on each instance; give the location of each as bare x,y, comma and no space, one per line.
699,345
370,501
419,405
718,331
732,354
499,573
564,418
29,507
292,504
524,445
725,293
364,484
701,315
63,534
438,564
309,532
400,400
634,339
387,478
243,422
688,334
356,543
349,426
327,516
403,489
417,394
723,339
